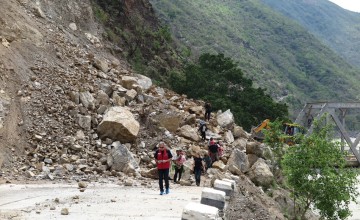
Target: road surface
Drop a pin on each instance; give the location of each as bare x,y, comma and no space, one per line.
99,201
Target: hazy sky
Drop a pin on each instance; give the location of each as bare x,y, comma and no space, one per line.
352,5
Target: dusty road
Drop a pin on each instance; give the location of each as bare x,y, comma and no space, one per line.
99,201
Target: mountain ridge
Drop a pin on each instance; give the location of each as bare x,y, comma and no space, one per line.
336,27
275,52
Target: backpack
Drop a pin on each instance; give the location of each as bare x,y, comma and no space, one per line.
213,148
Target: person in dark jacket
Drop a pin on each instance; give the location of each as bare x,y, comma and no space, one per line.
163,157
202,129
198,167
207,111
213,150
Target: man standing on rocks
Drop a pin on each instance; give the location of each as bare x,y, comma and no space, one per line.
163,157
203,129
207,111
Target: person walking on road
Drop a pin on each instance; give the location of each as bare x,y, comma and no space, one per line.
178,160
207,111
163,157
198,167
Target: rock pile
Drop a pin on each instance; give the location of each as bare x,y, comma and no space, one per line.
85,114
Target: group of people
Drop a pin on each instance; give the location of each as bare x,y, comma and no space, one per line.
163,158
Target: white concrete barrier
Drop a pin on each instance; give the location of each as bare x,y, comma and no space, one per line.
223,186
197,211
233,183
213,197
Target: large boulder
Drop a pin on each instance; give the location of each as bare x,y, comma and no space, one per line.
128,82
240,143
101,64
190,119
239,160
120,159
169,120
144,82
189,132
119,124
198,110
225,119
229,138
239,132
255,148
260,174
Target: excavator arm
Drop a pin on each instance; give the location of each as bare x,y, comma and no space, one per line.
256,132
263,125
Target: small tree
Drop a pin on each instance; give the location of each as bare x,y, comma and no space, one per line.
315,170
274,137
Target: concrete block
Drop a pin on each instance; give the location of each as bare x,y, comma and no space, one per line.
213,197
223,186
233,183
197,211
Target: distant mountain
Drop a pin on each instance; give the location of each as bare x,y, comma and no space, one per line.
273,50
336,27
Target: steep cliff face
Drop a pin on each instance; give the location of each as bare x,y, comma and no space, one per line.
135,29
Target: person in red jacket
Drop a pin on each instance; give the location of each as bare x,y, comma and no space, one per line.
163,157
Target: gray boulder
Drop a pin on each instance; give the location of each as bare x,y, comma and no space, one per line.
120,159
119,124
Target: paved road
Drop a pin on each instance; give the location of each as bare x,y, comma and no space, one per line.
99,201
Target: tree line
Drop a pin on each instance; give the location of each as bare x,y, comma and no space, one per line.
218,80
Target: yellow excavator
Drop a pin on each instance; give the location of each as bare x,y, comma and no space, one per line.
256,132
289,129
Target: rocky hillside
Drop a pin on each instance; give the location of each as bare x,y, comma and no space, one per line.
71,110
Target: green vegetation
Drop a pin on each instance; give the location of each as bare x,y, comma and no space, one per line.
336,27
217,79
315,171
148,46
274,138
275,52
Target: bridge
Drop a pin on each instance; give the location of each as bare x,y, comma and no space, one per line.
336,111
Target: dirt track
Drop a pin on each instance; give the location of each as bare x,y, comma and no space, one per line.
99,201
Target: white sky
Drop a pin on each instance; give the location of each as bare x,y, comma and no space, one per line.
352,5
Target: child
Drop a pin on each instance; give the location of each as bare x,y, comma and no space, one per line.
198,167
